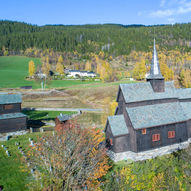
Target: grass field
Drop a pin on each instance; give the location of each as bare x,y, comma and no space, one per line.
14,69
14,174
45,115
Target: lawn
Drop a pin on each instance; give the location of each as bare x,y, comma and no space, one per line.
14,174
45,115
14,69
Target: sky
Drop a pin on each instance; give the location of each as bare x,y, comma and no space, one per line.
74,12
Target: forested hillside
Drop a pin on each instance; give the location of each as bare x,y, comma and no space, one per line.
111,38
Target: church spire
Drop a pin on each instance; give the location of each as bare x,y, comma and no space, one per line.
155,67
155,77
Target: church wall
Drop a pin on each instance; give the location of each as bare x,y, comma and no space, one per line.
108,136
132,133
121,103
151,102
121,144
189,128
144,142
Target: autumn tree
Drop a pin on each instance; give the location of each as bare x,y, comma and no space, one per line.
185,78
46,66
112,107
60,59
88,66
72,159
167,73
31,68
139,70
105,71
5,51
60,68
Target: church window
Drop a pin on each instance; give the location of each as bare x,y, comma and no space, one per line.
144,131
111,141
156,137
171,134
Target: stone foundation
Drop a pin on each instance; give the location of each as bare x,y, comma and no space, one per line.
132,156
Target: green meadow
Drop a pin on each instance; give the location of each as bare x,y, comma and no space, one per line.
14,70
45,115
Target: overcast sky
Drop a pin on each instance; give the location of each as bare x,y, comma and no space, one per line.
147,12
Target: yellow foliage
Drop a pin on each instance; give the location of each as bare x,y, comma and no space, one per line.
31,68
112,107
60,59
60,68
185,78
139,70
46,67
106,71
88,66
167,73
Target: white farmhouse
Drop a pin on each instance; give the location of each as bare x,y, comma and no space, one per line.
76,73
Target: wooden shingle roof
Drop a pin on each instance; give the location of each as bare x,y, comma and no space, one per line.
12,115
156,115
136,92
118,125
6,98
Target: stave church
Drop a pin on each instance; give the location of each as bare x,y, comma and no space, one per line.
150,117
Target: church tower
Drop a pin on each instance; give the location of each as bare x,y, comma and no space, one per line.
155,77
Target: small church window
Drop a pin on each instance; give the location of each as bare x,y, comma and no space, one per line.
156,137
144,131
9,106
111,141
171,134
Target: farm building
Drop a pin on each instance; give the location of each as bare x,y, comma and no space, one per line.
62,118
149,116
11,118
78,73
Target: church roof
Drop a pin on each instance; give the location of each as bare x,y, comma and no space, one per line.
12,115
155,68
6,98
184,93
135,92
156,115
186,108
63,117
118,125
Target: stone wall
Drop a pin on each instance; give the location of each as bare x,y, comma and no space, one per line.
132,156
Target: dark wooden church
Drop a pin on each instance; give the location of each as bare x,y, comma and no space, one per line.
11,118
149,115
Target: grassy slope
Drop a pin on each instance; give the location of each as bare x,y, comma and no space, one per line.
14,69
12,173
